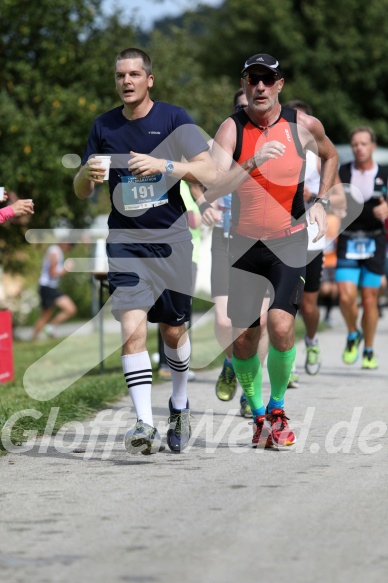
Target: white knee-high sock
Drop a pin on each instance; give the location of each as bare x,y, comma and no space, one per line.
178,360
138,376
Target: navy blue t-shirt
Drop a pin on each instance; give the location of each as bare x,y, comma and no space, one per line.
151,203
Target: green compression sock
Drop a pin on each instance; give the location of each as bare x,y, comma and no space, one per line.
279,366
249,374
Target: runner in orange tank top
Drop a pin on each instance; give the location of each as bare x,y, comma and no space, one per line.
259,154
277,182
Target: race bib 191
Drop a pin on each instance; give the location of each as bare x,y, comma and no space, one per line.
142,193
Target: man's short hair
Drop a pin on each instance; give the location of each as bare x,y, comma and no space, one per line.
134,53
359,129
298,104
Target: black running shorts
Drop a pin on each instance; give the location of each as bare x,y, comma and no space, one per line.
313,271
48,296
154,277
278,264
219,276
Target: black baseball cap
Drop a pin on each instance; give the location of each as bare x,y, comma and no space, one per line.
266,61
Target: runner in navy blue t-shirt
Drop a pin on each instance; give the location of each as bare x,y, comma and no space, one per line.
152,146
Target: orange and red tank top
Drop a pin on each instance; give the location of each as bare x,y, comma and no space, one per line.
271,200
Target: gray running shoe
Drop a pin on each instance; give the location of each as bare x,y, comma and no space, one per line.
143,439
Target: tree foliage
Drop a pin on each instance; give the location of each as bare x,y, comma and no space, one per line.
56,63
332,54
56,60
57,69
182,80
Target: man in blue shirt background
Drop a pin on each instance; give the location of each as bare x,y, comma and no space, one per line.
153,145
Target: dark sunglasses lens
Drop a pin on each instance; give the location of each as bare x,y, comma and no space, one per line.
268,80
239,107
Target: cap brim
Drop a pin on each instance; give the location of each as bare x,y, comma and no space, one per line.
276,71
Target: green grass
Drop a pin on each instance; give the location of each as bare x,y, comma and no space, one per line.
57,360
92,392
51,362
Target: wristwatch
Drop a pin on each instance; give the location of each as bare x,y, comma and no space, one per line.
324,202
169,167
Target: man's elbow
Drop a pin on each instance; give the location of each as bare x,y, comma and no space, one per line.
212,176
334,158
82,191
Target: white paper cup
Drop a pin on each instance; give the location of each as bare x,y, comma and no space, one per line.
1,193
105,163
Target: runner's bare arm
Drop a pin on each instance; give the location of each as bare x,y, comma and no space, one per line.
313,137
198,170
338,201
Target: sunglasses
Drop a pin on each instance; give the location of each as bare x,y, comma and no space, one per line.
268,80
239,107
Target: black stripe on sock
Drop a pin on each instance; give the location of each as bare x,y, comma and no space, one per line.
178,365
146,380
149,370
177,369
130,385
186,361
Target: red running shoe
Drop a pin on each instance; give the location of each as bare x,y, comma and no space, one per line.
262,435
281,434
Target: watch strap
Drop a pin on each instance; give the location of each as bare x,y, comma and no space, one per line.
323,201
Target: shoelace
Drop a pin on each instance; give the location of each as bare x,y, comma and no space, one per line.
312,354
351,343
149,432
228,374
259,429
182,422
273,418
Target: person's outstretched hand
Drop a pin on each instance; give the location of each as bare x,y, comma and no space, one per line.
23,207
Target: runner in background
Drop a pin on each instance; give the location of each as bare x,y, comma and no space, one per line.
361,246
383,297
328,290
309,309
56,306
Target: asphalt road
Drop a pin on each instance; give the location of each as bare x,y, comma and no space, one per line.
220,511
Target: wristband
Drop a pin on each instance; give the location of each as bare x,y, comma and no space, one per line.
323,201
204,206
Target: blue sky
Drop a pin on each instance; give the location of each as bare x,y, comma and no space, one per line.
147,11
